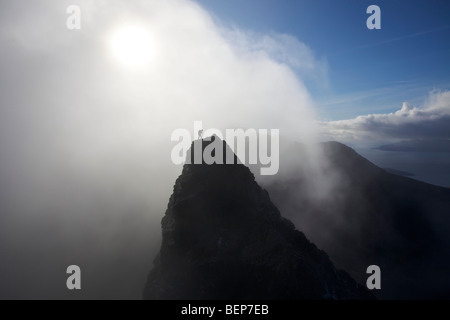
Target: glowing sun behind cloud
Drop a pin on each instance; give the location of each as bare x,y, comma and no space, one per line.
132,45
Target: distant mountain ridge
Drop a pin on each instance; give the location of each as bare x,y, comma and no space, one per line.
373,217
418,145
399,172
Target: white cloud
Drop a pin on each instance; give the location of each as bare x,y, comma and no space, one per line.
282,48
431,121
85,140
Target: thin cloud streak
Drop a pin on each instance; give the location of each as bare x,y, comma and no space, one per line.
377,44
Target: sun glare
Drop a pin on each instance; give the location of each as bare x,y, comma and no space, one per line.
131,45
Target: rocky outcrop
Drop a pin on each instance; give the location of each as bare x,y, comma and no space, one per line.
223,238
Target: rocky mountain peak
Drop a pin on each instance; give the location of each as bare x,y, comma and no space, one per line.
223,238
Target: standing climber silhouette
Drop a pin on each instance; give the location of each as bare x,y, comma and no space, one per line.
200,134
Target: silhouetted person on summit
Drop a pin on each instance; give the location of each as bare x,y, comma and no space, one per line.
200,134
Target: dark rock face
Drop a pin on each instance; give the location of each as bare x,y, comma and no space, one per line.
222,238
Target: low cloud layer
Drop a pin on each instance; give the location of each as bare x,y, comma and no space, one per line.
430,121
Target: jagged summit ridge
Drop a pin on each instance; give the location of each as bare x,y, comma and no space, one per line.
222,238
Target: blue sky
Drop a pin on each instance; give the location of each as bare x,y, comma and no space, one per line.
368,71
369,74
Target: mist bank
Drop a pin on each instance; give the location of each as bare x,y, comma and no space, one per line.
85,167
